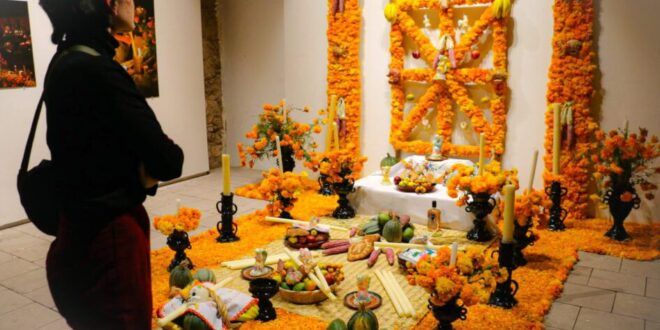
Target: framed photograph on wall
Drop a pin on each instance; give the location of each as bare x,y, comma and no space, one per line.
16,61
137,50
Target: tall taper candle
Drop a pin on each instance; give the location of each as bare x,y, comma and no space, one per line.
178,205
336,133
279,152
482,145
556,139
331,119
454,251
531,176
509,200
226,181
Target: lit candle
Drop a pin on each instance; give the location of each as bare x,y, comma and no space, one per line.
482,144
531,177
336,133
226,182
454,251
331,119
556,139
509,200
279,152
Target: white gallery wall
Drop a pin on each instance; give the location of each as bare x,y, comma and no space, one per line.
628,49
180,108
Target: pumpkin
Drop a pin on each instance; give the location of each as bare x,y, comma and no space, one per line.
337,324
181,276
193,322
392,231
363,319
205,275
388,161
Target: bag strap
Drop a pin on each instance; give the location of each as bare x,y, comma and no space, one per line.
28,147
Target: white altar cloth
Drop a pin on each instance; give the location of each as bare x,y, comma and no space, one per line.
372,197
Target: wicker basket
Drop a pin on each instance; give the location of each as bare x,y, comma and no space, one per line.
305,297
429,188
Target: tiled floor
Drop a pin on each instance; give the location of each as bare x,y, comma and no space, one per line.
602,292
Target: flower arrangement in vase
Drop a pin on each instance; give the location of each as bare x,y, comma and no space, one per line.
281,190
621,162
341,167
470,280
476,189
176,228
295,138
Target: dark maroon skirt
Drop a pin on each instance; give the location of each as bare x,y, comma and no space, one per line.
99,275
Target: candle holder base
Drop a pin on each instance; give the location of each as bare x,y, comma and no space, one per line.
504,294
557,213
226,227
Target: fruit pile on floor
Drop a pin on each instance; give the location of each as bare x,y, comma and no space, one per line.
391,226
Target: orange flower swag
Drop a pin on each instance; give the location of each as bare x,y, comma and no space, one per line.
187,219
541,281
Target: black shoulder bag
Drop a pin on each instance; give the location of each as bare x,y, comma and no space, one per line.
36,187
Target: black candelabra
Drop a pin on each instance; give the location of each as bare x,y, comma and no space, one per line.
557,213
504,294
226,226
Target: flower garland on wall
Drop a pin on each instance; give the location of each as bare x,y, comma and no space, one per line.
571,75
451,87
344,82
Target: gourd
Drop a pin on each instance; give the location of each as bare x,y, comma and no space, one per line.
193,322
181,276
204,275
363,319
392,231
337,324
388,161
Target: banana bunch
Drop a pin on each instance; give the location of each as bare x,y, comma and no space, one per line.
501,8
250,314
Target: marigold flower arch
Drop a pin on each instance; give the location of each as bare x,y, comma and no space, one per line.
444,93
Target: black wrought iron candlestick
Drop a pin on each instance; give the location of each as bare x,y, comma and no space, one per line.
226,226
523,238
557,214
264,289
504,293
326,187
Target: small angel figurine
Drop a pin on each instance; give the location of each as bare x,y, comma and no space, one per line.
307,263
437,148
259,268
362,296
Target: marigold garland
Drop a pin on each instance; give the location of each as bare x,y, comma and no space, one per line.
251,190
186,219
344,79
454,88
573,26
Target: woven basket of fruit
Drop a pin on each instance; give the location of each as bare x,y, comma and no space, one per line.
299,237
417,188
417,178
297,287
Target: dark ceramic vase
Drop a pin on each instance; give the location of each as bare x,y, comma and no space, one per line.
480,205
448,313
620,209
178,241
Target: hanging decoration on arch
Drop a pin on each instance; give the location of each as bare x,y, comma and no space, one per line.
452,68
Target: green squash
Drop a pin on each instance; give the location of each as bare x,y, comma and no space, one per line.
205,275
388,161
193,322
337,324
392,231
181,275
363,319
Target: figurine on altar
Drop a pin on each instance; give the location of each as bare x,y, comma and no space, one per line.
436,153
363,296
307,263
259,270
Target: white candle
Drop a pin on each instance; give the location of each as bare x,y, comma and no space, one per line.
482,143
336,134
454,251
556,139
531,178
279,152
509,200
226,180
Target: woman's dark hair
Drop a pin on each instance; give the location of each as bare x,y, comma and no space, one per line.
76,18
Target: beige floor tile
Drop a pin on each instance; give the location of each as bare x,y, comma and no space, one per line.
561,316
11,301
15,267
30,229
34,249
641,268
598,261
590,319
32,316
4,257
26,282
579,275
650,325
594,298
617,282
652,287
637,306
42,296
57,325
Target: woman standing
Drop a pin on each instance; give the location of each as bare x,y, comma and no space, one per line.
108,151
